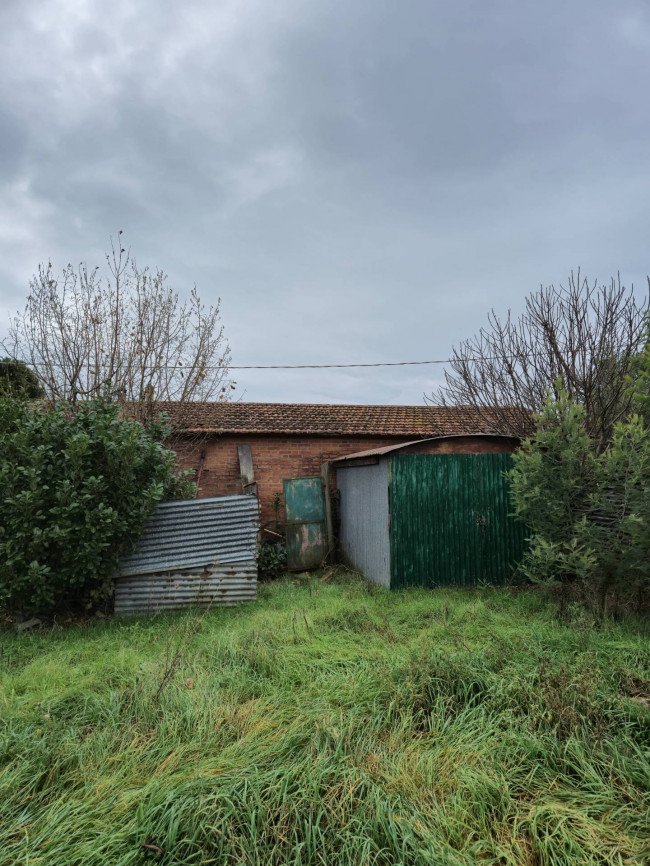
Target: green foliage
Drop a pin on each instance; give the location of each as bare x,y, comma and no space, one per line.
271,561
328,725
618,525
18,380
640,380
75,490
588,512
554,471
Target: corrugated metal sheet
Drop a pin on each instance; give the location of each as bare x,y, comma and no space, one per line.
450,520
196,532
363,535
194,552
218,585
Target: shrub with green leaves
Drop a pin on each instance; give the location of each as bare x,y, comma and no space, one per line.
18,380
76,487
552,481
617,527
640,380
588,512
271,561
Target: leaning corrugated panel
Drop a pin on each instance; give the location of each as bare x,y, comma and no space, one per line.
194,552
217,585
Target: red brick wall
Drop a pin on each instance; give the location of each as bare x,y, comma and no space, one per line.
274,459
278,457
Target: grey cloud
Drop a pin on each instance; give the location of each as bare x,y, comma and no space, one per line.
357,181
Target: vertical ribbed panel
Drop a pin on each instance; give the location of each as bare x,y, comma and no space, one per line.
504,538
450,522
363,532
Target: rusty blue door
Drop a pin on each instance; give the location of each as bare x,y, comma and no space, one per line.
304,508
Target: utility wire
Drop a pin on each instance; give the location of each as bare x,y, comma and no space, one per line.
182,367
333,366
243,367
276,366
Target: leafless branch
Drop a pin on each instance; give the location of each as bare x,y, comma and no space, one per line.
124,333
583,333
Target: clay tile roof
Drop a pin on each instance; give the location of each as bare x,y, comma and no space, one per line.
324,419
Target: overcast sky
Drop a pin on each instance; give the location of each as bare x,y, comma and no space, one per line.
358,181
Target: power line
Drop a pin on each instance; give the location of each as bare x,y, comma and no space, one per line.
335,366
228,367
247,366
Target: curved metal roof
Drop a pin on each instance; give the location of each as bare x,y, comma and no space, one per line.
387,449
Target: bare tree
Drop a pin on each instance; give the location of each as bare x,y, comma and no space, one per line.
584,334
124,333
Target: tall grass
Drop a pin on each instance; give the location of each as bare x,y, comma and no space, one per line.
329,723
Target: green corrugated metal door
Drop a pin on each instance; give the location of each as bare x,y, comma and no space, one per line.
503,539
450,521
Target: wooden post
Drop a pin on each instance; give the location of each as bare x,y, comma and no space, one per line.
325,477
246,470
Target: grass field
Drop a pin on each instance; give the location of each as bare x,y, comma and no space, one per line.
328,723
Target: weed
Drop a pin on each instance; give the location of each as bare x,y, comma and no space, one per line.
272,561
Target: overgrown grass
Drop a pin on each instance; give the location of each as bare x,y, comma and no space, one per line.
329,723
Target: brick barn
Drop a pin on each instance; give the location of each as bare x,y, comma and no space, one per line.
290,440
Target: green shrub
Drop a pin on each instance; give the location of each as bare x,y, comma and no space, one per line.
617,527
76,488
271,561
18,380
639,379
588,512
